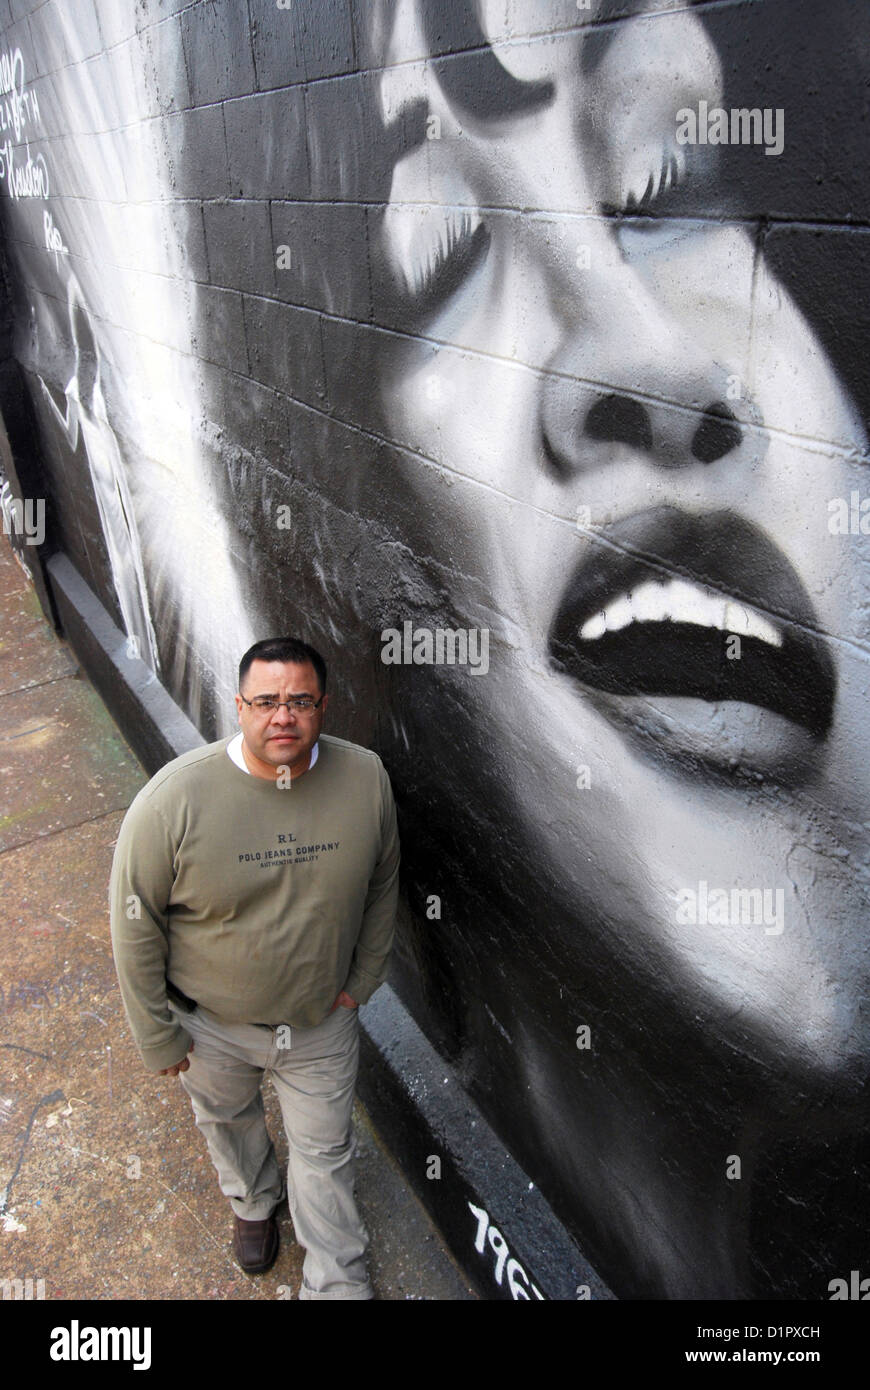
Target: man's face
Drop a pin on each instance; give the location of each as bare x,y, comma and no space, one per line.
281,737
642,437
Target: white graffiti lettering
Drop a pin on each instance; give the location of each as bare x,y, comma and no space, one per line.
53,238
518,1281
20,107
23,181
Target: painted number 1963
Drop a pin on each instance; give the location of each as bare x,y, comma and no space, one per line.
517,1280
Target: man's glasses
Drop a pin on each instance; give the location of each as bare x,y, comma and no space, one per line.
264,704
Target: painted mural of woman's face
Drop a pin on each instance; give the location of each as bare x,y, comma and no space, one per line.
638,438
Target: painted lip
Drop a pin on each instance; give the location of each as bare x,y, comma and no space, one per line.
730,570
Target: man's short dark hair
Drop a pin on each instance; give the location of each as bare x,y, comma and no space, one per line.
283,649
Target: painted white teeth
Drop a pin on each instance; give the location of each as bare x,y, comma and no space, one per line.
619,614
679,601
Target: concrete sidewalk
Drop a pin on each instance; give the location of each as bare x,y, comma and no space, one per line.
106,1190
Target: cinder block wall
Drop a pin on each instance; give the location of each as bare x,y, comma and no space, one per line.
514,353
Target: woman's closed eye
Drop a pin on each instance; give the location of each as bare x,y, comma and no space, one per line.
432,251
656,203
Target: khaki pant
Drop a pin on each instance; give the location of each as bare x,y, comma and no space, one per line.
314,1079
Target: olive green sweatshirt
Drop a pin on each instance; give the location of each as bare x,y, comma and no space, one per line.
258,901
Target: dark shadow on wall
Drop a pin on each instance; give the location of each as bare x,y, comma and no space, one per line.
21,462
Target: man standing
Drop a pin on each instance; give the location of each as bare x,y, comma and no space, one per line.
253,904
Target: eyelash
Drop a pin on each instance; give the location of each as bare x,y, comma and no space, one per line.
669,175
438,260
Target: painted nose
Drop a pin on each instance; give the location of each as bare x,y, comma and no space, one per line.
584,426
626,375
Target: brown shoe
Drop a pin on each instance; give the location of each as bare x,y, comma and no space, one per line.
255,1244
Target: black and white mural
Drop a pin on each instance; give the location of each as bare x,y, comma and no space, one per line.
515,354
